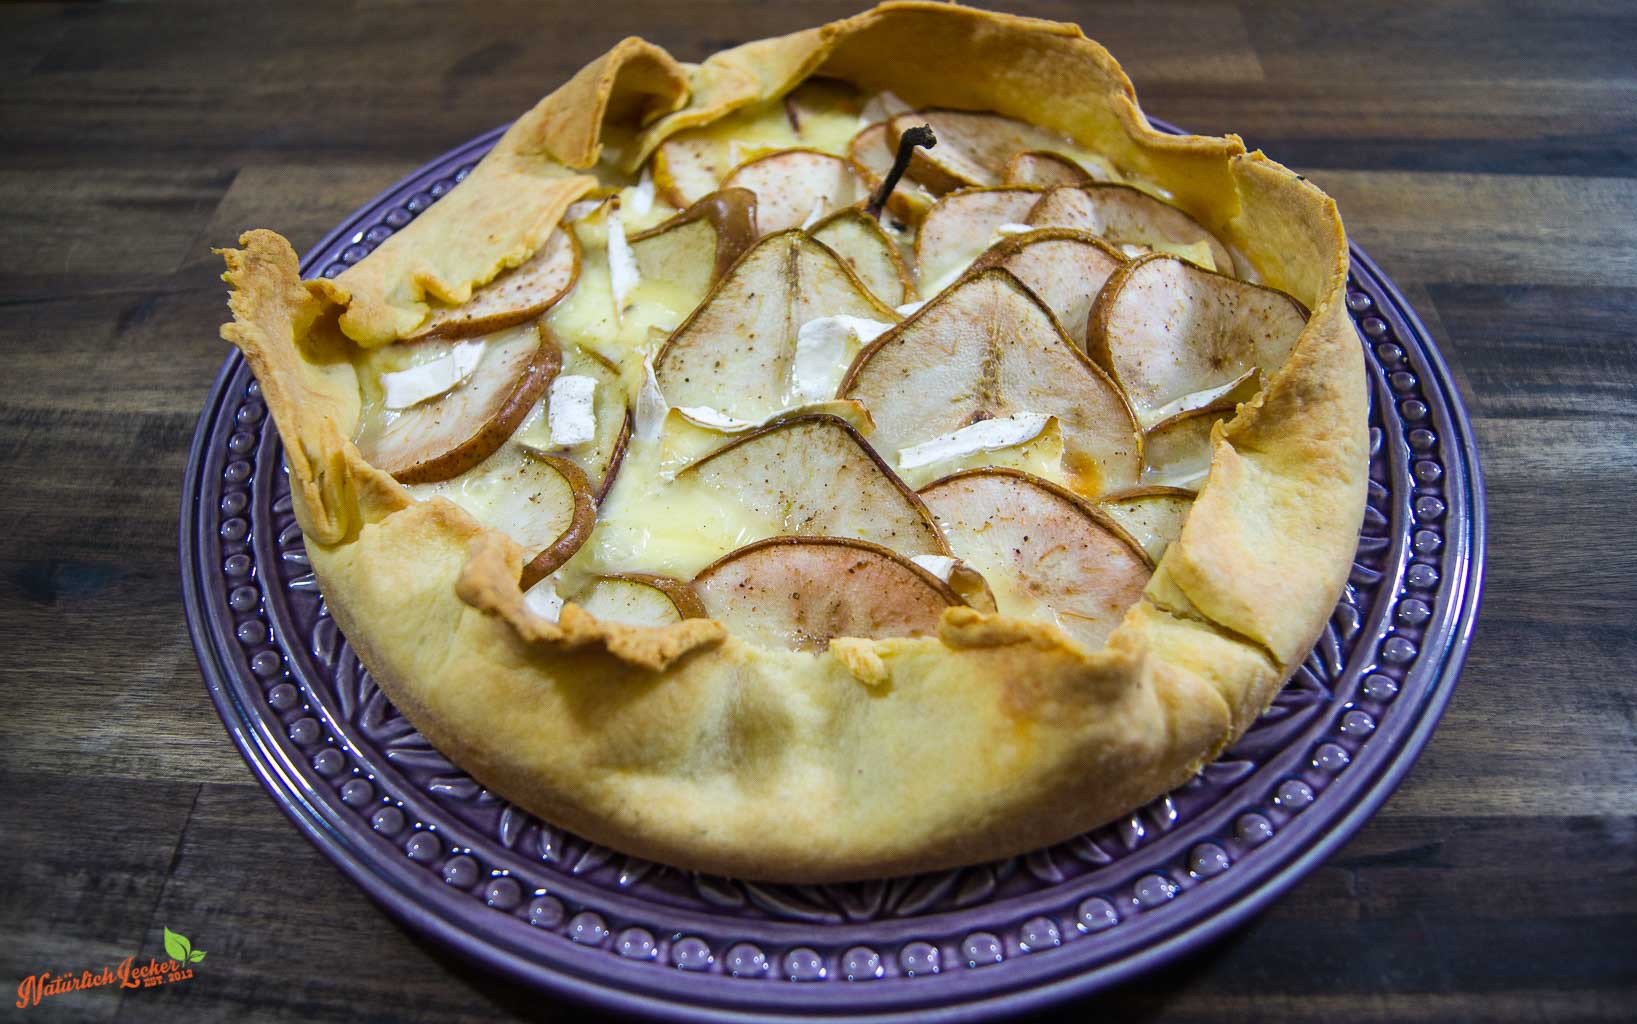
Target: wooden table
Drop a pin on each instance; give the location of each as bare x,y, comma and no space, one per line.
1483,152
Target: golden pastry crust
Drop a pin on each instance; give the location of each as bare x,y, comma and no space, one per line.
689,746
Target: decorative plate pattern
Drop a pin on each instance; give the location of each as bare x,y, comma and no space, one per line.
524,897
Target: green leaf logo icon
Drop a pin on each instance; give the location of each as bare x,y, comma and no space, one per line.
178,947
196,956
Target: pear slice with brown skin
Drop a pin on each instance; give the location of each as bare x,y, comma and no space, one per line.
693,249
800,593
792,184
813,475
1122,215
1165,329
1043,169
961,226
600,457
973,148
447,435
986,348
639,599
1153,516
734,353
1177,451
1045,551
521,293
1065,268
859,241
873,149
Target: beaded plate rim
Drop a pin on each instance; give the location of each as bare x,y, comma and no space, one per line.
590,972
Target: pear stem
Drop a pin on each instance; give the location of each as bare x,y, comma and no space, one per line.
920,135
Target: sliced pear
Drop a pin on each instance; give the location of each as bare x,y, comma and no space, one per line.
1166,329
988,347
796,187
692,250
813,475
1153,516
961,226
1177,451
859,241
600,455
802,592
639,599
873,149
519,294
821,113
973,148
447,435
1120,214
1065,268
541,501
1043,169
736,352
1046,552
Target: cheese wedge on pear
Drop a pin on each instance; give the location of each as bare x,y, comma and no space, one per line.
1165,329
960,227
1046,552
736,352
521,293
693,249
813,475
610,424
1043,169
1064,267
795,187
1120,214
800,593
447,435
1152,515
639,599
862,245
985,348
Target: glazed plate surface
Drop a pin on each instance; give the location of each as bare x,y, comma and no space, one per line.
524,898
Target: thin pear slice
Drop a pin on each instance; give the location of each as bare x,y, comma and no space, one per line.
519,294
820,113
1065,268
795,187
1043,169
961,226
873,149
447,435
1177,451
973,147
692,250
600,456
639,599
860,242
802,592
1121,215
541,501
987,347
735,353
1045,551
1166,329
814,475
1153,516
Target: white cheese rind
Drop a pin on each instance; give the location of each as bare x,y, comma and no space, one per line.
940,566
405,388
623,275
542,600
714,419
571,410
1194,400
824,349
985,435
651,407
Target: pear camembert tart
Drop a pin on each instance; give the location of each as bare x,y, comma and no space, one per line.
812,464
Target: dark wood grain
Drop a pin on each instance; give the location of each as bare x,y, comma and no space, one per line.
1484,152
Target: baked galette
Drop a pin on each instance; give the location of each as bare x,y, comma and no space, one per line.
870,450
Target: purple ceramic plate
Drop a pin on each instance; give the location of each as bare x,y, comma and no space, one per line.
523,897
